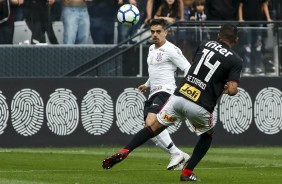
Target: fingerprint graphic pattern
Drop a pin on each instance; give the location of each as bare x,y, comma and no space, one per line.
214,120
27,112
236,112
268,110
129,111
62,112
4,113
97,111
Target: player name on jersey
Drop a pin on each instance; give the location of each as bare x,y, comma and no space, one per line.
196,81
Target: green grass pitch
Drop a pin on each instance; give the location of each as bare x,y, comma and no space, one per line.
145,165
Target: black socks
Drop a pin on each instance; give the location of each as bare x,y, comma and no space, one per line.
200,150
140,138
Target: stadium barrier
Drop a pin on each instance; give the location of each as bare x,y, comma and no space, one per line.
64,112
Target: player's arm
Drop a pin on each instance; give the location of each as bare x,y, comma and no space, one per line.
231,88
179,60
143,87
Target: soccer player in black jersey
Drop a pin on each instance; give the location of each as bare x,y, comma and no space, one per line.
215,70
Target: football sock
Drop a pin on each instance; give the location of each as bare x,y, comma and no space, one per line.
187,172
163,140
140,138
200,150
126,151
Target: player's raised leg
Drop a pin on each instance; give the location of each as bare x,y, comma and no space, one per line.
177,157
151,129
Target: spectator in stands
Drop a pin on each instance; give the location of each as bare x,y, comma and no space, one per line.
76,22
199,14
222,10
39,20
188,9
199,11
252,10
153,6
7,27
102,19
169,11
186,34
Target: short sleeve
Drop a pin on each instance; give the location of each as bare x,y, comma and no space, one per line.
179,59
235,72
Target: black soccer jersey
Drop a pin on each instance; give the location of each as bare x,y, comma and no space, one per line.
213,65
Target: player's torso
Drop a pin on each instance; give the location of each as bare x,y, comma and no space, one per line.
161,69
208,74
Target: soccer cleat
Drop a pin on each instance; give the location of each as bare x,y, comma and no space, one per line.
190,177
177,161
113,160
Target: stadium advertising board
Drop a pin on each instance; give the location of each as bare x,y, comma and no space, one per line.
107,111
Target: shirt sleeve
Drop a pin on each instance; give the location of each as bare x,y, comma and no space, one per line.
179,59
235,72
147,84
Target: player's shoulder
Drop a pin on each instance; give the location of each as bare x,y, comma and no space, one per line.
170,47
151,48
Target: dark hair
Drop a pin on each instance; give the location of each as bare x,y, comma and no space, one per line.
228,32
172,11
199,2
160,22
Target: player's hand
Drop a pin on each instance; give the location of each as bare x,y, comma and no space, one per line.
142,88
231,88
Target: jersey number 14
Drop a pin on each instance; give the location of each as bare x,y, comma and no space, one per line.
207,55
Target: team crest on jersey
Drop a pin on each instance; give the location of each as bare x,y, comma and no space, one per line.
190,91
168,118
159,57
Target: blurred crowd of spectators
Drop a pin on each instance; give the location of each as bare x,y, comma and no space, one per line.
82,18
96,19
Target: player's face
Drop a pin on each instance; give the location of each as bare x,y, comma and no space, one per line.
158,34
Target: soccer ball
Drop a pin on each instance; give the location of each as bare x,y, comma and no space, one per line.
128,15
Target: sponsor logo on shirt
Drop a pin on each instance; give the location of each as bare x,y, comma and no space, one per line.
190,91
168,118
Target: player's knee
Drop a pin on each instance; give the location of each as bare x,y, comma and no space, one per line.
155,126
151,119
208,134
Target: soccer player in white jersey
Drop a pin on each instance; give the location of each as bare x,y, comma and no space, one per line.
163,60
215,70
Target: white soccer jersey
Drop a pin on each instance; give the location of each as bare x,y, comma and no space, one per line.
162,64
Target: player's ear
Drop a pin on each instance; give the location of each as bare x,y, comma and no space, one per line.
236,40
166,31
218,37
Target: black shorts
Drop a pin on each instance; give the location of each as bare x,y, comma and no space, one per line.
155,103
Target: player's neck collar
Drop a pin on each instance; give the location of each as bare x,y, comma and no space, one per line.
161,45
